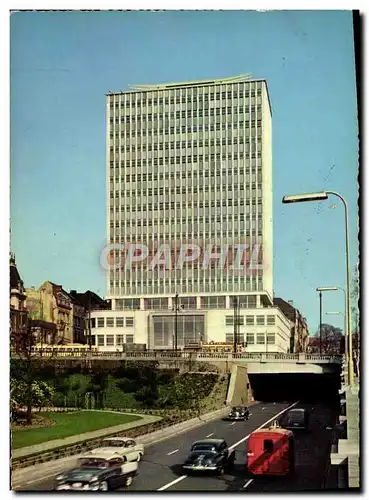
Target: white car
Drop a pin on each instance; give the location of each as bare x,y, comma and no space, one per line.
102,471
128,448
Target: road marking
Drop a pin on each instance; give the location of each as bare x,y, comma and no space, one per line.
233,423
209,435
181,478
263,408
172,452
263,425
166,486
247,484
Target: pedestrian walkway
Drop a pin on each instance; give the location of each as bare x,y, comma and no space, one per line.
87,436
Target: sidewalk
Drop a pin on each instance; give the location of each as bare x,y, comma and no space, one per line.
87,436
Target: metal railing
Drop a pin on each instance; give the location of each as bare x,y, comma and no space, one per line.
194,356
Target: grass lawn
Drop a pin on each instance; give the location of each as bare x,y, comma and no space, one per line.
68,424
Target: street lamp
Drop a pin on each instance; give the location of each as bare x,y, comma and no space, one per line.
334,289
321,196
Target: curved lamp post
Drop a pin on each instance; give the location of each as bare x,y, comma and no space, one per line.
322,196
334,289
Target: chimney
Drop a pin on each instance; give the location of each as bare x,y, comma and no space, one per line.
73,292
290,302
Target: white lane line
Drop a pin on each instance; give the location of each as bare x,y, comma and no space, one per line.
247,484
263,425
232,423
209,435
166,486
172,452
263,408
181,478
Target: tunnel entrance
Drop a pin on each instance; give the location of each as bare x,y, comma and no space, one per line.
306,387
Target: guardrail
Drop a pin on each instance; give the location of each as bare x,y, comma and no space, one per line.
194,356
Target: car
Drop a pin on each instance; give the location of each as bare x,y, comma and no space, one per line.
209,455
98,472
296,419
126,447
239,413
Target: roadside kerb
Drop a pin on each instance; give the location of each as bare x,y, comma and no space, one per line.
33,463
72,445
173,430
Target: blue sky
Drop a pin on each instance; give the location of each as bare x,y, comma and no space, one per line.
62,64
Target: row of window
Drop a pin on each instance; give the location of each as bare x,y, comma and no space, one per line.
130,234
197,94
189,223
192,205
211,302
261,320
199,143
189,151
252,338
200,159
133,219
253,166
112,322
187,129
197,175
193,112
196,190
187,287
111,340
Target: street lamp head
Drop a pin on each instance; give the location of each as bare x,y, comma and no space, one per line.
327,289
299,198
334,313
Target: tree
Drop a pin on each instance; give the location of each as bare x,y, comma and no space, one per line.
41,394
331,340
25,360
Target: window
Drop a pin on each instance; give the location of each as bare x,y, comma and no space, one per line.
100,340
260,320
119,339
129,322
93,322
250,338
260,339
215,302
110,340
129,339
110,322
100,322
268,446
271,338
270,320
120,322
229,320
229,337
250,320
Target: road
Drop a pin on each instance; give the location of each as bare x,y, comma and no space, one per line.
161,470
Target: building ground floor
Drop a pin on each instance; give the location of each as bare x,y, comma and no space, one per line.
259,328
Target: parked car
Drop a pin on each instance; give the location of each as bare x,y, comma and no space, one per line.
296,419
239,413
98,472
209,455
126,447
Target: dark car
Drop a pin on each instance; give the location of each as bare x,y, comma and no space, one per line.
239,413
209,455
296,419
101,472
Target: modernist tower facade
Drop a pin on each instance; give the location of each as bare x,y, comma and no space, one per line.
189,204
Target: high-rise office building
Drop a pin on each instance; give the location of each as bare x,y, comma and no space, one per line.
189,170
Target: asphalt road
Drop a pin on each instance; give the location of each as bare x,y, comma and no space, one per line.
161,469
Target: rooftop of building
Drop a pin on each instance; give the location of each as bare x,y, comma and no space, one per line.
245,78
